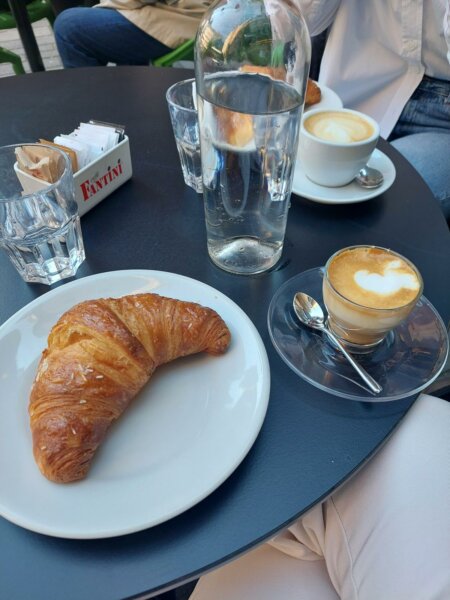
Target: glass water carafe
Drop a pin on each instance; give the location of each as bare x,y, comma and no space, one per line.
252,62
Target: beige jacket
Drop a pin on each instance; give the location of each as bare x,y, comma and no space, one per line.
171,22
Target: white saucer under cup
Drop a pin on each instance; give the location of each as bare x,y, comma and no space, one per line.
347,194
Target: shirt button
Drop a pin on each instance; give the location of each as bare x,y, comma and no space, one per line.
411,45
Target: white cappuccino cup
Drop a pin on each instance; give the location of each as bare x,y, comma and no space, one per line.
335,144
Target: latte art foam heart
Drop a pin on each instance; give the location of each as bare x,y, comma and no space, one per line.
391,281
338,127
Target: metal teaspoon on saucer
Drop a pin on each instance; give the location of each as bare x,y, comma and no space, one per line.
311,314
369,178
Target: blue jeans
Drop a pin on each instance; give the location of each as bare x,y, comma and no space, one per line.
96,36
422,135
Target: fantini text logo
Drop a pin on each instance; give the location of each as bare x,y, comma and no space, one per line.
91,187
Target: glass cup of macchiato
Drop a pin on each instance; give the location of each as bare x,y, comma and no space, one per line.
335,144
368,291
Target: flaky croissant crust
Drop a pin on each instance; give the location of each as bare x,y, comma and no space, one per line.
100,354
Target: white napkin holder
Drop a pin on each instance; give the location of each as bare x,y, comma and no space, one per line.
95,181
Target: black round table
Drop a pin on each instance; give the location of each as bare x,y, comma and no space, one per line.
310,442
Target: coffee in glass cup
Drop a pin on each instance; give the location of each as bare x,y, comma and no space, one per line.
368,291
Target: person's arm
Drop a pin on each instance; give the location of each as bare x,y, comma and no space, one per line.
319,14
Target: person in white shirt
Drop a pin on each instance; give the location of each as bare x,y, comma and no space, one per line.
391,60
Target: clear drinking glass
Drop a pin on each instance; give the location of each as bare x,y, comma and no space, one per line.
39,221
181,99
251,62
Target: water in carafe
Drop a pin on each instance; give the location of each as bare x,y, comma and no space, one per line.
249,117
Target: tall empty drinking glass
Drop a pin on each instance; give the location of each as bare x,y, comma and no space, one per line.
181,99
39,221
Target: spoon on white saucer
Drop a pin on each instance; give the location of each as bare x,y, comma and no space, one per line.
369,178
310,313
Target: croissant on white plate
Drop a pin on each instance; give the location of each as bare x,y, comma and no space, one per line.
99,356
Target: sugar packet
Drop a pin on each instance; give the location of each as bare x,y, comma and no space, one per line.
40,162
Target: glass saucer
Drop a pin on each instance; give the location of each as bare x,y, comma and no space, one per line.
406,362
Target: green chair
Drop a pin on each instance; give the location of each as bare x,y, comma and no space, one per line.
6,56
37,10
183,52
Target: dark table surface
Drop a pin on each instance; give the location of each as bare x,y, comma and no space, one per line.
310,442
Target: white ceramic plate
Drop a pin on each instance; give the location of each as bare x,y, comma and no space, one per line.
328,101
347,194
179,440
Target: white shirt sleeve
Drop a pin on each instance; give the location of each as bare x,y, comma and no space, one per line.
447,29
318,14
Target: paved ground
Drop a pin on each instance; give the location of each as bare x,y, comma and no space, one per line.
9,39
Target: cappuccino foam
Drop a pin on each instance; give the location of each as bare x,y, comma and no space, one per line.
374,278
338,127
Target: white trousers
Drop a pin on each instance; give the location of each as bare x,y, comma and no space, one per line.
384,535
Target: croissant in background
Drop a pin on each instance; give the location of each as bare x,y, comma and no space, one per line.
313,93
100,354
